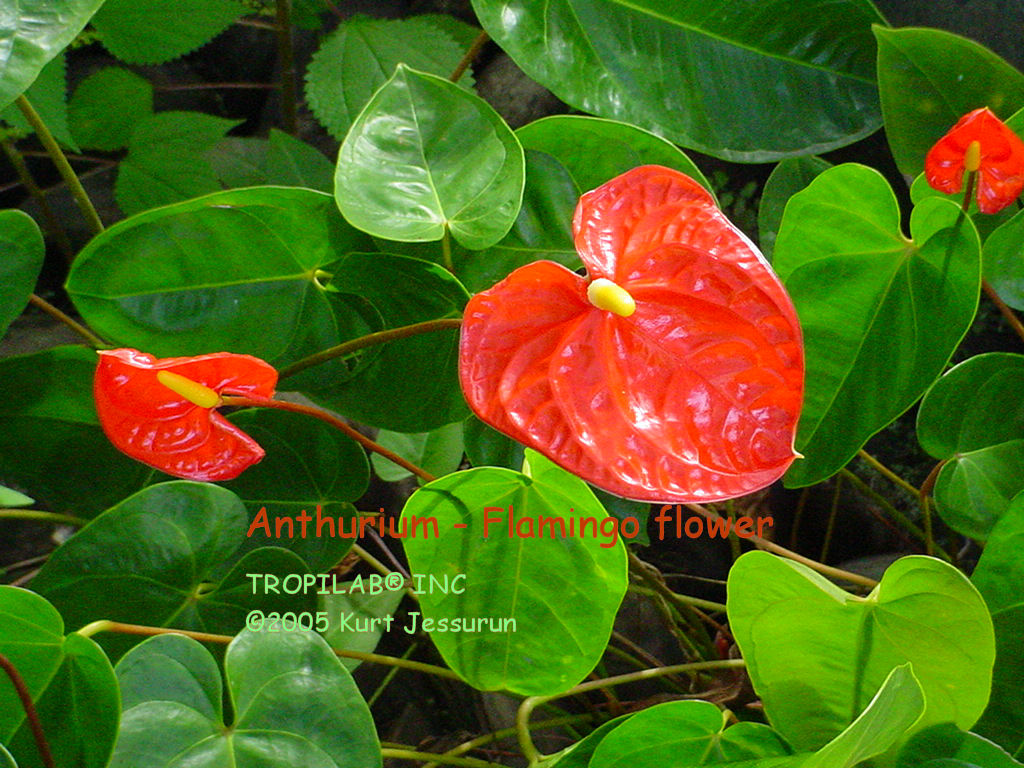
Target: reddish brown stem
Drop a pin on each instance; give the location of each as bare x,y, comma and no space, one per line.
1007,313
324,416
30,711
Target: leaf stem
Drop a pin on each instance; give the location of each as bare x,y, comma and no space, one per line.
411,754
526,708
30,710
879,467
105,625
471,54
94,341
1008,314
286,60
369,340
504,733
648,574
446,250
771,546
42,517
331,420
60,234
63,166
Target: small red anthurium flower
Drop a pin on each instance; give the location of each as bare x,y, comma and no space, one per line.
979,142
162,411
672,372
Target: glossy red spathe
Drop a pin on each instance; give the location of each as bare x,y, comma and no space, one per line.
693,395
1000,168
151,423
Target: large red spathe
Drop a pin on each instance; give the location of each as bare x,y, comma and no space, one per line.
695,396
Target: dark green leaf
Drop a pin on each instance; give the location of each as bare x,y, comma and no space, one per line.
946,742
46,416
36,31
974,489
295,705
426,155
881,315
150,559
788,178
1003,257
486,446
106,107
547,603
929,79
280,160
70,681
438,451
23,249
48,96
670,65
357,58
816,654
155,31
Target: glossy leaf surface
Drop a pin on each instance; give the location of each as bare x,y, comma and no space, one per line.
190,278
68,678
928,79
973,418
426,155
173,714
816,654
359,56
670,66
150,559
998,578
694,397
47,414
21,244
789,177
160,427
881,314
562,594
36,31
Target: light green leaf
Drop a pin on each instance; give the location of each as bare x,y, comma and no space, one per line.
425,156
357,619
438,451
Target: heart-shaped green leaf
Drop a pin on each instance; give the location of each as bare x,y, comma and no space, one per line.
973,419
68,678
881,314
928,79
34,32
671,67
817,654
998,578
150,560
426,155
46,415
293,702
789,177
21,244
547,603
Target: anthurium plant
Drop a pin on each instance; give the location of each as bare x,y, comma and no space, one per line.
475,445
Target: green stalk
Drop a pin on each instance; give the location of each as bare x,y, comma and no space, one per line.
42,517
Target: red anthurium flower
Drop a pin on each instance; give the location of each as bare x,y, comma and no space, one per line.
672,373
980,142
161,411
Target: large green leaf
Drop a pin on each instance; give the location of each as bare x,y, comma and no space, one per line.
23,249
670,65
928,79
425,156
293,702
33,32
106,107
941,745
788,178
547,603
817,654
998,577
155,31
68,678
150,560
47,415
973,419
165,162
232,271
356,59
881,314
414,380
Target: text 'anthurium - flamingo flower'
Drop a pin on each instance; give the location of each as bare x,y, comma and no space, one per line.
673,372
980,142
161,411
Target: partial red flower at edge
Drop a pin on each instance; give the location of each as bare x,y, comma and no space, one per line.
152,423
687,387
999,160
